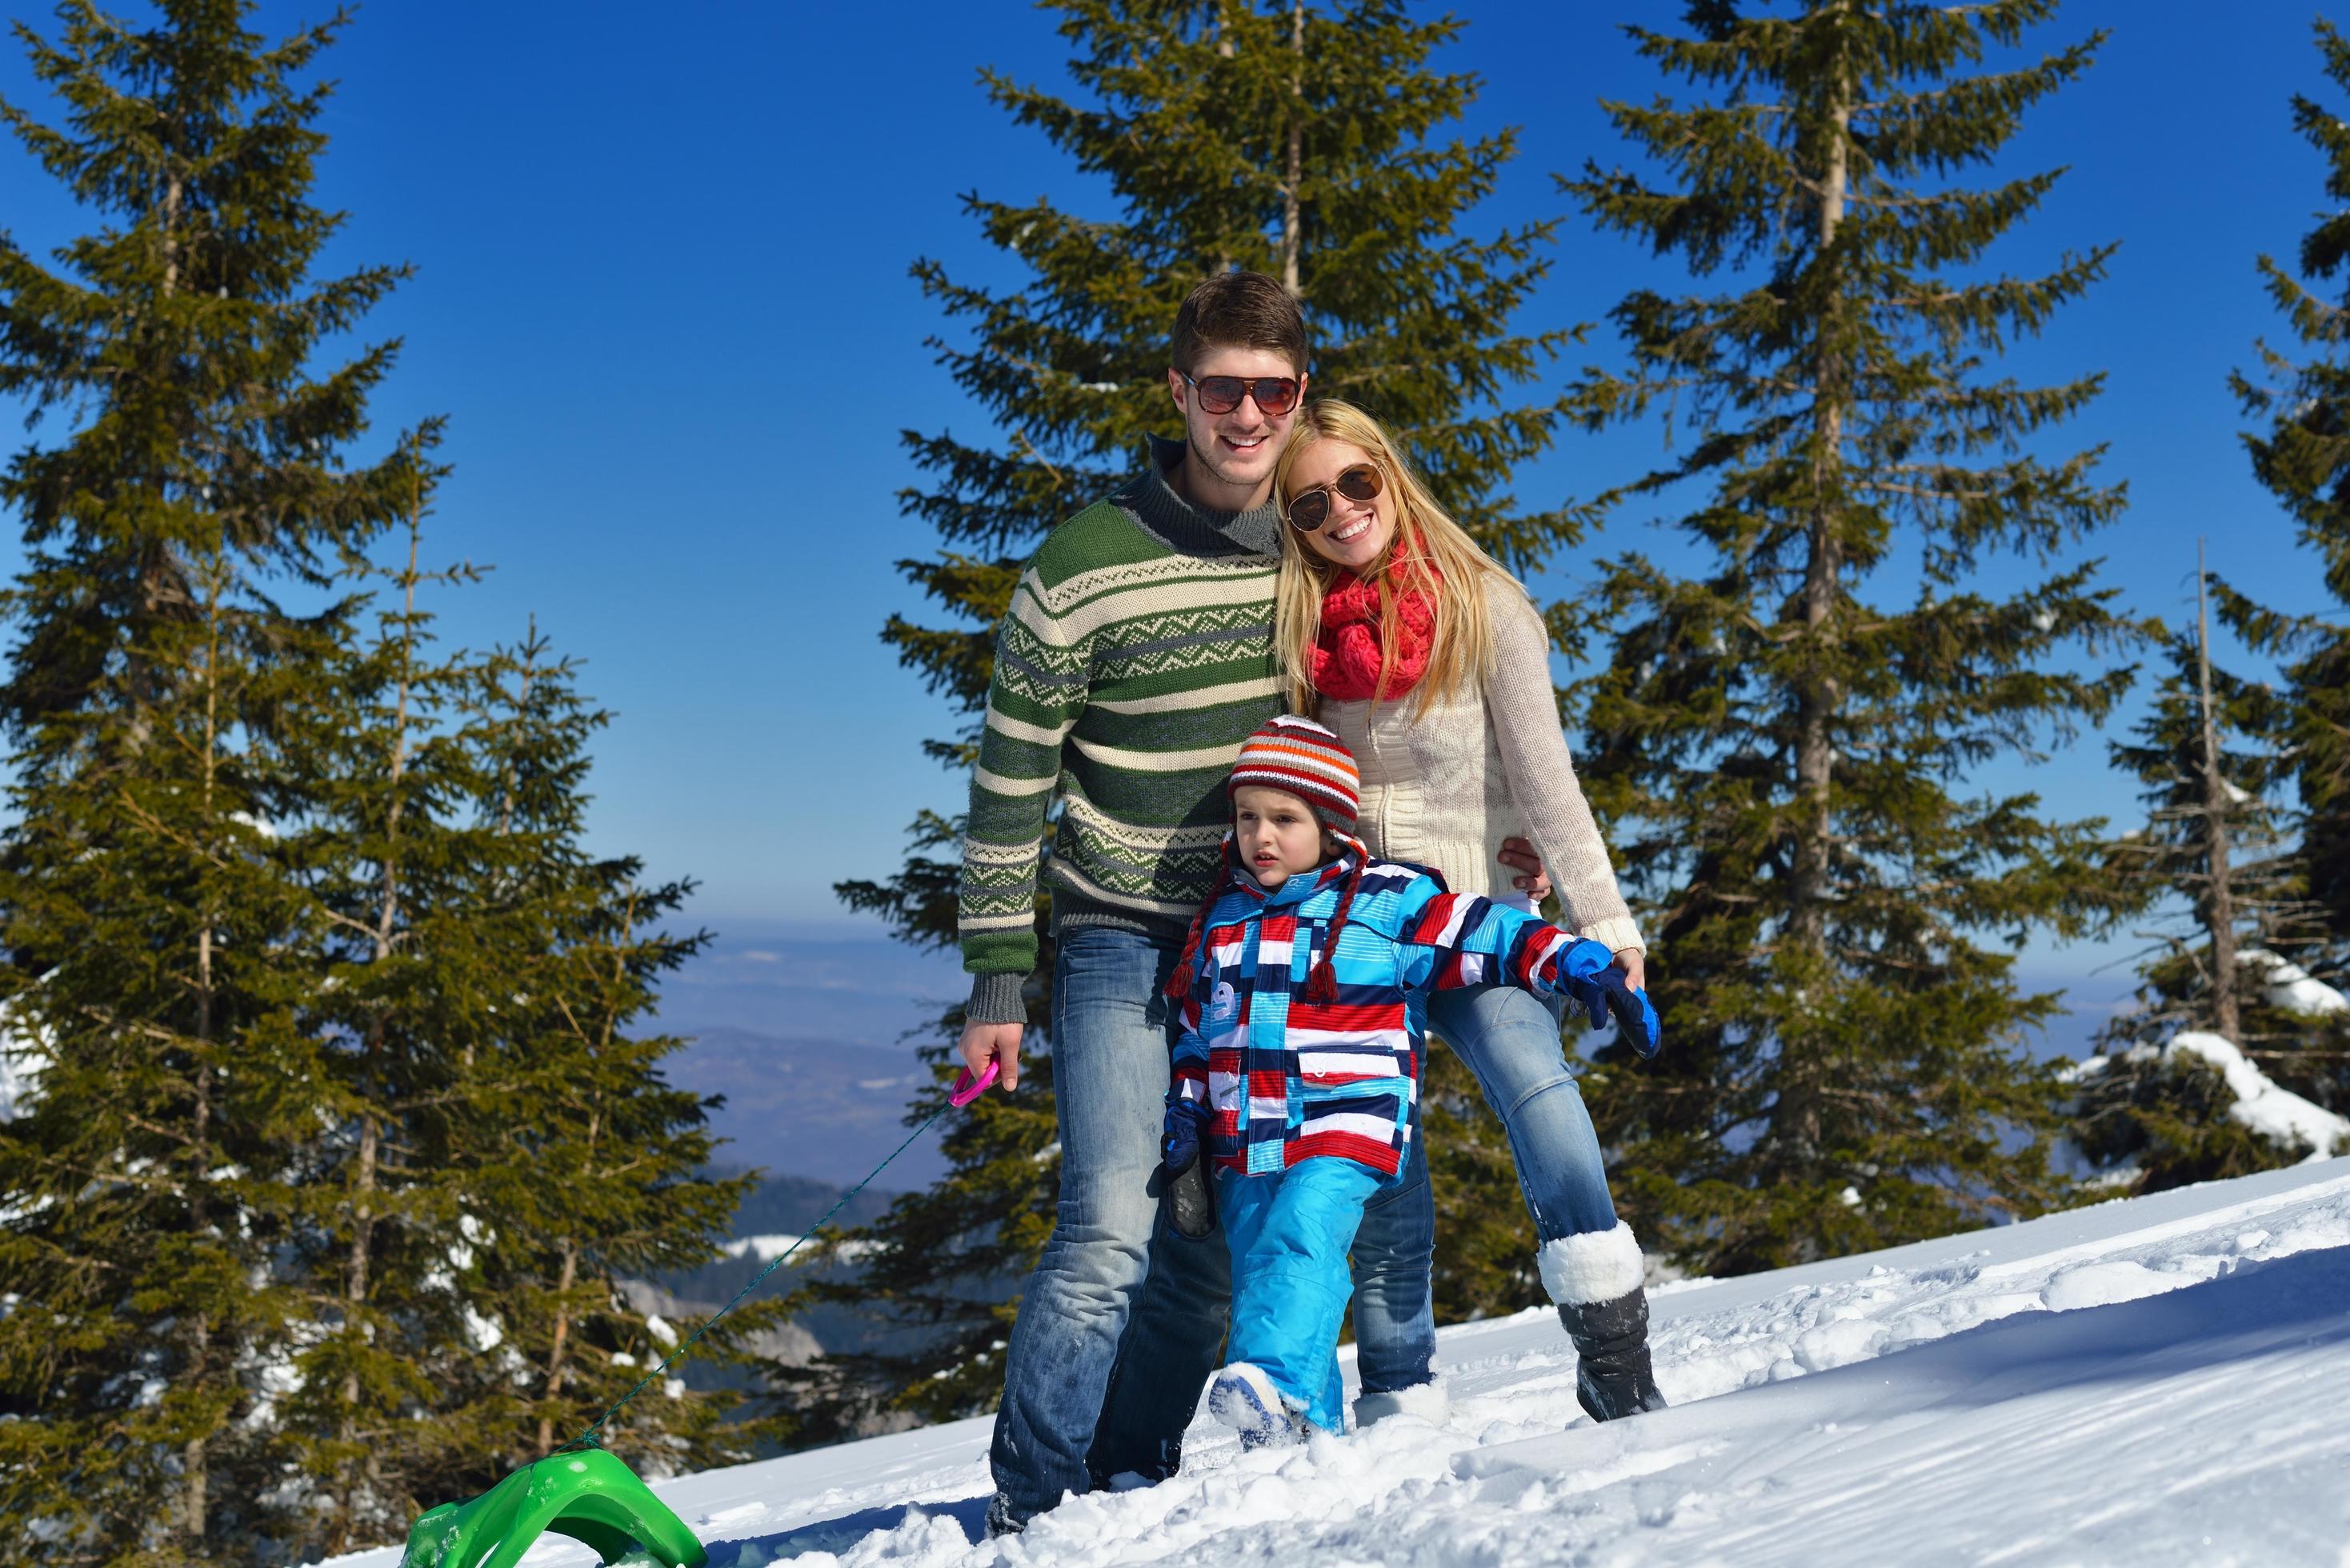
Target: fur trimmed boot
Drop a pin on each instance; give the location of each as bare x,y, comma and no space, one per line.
1596,1279
1426,1400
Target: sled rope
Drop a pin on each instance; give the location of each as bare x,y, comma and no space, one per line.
588,1438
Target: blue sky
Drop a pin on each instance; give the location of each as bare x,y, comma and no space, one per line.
662,292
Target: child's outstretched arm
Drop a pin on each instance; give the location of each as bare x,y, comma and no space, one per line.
1454,940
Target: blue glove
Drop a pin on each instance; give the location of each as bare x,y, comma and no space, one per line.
1179,1144
1595,981
1184,1187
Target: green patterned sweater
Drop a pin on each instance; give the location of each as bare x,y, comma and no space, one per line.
1136,657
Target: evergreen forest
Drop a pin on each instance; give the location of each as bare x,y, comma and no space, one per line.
340,1133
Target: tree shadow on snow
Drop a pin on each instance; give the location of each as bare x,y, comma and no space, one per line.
840,1533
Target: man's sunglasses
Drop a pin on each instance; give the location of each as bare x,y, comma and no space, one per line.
1222,394
1309,509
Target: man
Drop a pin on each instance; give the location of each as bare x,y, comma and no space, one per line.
1133,659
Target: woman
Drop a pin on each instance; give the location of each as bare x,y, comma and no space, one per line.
1396,631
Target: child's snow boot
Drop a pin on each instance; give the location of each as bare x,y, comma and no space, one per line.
1243,1398
1595,1280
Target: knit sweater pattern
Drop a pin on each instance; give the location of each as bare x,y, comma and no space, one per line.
1134,659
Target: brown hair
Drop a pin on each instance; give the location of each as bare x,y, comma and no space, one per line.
1239,310
1462,646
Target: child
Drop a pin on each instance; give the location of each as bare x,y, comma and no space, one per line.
1303,988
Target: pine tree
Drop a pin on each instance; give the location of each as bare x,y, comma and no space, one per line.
1306,142
149,1187
150,914
413,947
1783,758
187,327
2210,756
585,1168
2302,456
2149,1109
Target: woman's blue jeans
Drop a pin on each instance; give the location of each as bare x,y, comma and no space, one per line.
1509,1040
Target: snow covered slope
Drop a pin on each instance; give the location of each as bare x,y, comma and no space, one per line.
2165,1379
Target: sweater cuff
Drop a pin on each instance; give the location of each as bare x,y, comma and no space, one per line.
997,999
1617,933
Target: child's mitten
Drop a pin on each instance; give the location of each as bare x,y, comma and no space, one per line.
1605,991
1183,1185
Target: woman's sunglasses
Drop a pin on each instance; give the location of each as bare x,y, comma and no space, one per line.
1275,395
1309,509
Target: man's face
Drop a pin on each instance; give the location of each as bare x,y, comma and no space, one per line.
1239,448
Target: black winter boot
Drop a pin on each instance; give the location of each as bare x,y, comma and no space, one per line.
1611,1375
1596,1281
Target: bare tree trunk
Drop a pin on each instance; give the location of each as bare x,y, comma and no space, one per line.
555,1366
1823,562
1292,231
1819,694
173,197
2218,899
357,1276
1225,49
194,1454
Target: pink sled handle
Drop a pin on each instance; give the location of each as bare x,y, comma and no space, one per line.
967,1088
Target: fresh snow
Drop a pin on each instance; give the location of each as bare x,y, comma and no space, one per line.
2277,1114
768,1247
16,1077
2291,989
20,1067
2152,1381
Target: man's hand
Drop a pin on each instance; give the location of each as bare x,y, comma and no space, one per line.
997,1043
1634,965
1519,855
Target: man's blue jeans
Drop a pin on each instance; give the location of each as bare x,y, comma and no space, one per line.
1110,1047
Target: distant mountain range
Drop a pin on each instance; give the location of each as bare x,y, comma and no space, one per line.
805,1029
778,1209
804,1033
810,1107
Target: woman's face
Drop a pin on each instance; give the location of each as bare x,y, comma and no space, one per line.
1357,532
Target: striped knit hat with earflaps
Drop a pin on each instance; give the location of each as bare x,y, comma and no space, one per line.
1310,761
1299,756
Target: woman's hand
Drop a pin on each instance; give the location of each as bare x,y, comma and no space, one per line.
1634,965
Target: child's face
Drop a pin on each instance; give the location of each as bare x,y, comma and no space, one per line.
1277,834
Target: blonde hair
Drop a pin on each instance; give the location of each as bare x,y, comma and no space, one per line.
1460,648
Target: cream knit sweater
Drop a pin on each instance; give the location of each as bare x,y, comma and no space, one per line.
1443,789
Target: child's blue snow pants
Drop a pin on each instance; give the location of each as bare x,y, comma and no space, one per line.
1289,1232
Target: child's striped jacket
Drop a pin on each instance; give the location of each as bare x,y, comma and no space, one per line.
1289,1079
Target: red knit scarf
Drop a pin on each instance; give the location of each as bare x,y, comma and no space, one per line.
1347,652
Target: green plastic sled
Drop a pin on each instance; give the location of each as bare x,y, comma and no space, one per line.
589,1495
